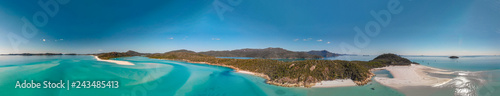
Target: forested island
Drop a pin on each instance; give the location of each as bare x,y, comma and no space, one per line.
110,55
289,74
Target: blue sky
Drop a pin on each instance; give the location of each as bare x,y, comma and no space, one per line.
422,27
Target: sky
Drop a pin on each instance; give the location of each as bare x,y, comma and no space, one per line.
415,27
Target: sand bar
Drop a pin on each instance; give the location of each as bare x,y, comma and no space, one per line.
115,61
335,83
245,72
413,75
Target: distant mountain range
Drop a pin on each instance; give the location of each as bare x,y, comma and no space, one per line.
263,53
267,53
31,54
323,53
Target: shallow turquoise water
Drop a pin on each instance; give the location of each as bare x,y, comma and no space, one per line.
464,63
383,73
154,77
151,77
480,75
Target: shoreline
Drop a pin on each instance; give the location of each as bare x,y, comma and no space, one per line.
335,83
114,61
412,76
320,84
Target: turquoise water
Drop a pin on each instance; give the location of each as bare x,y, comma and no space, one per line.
464,63
473,75
154,77
383,73
151,77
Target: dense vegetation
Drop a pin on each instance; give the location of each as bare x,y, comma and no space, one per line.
262,53
323,53
391,59
110,55
296,73
291,74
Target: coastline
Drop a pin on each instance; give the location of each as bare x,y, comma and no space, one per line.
406,77
335,83
320,84
114,61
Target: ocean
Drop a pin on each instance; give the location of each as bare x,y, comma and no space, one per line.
154,77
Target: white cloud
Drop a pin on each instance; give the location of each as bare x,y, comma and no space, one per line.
171,38
100,50
295,39
328,42
43,40
319,40
215,38
307,39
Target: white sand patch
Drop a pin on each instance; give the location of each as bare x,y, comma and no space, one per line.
335,83
115,61
245,72
413,75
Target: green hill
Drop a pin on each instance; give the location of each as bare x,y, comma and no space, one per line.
268,53
110,55
391,59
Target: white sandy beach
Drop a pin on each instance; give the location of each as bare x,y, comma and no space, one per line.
335,83
115,61
414,75
322,84
245,72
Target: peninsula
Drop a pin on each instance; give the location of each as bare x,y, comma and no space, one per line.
305,73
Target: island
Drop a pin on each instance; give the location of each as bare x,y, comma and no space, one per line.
110,55
304,73
453,57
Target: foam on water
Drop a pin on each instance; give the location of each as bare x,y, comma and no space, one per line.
465,84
